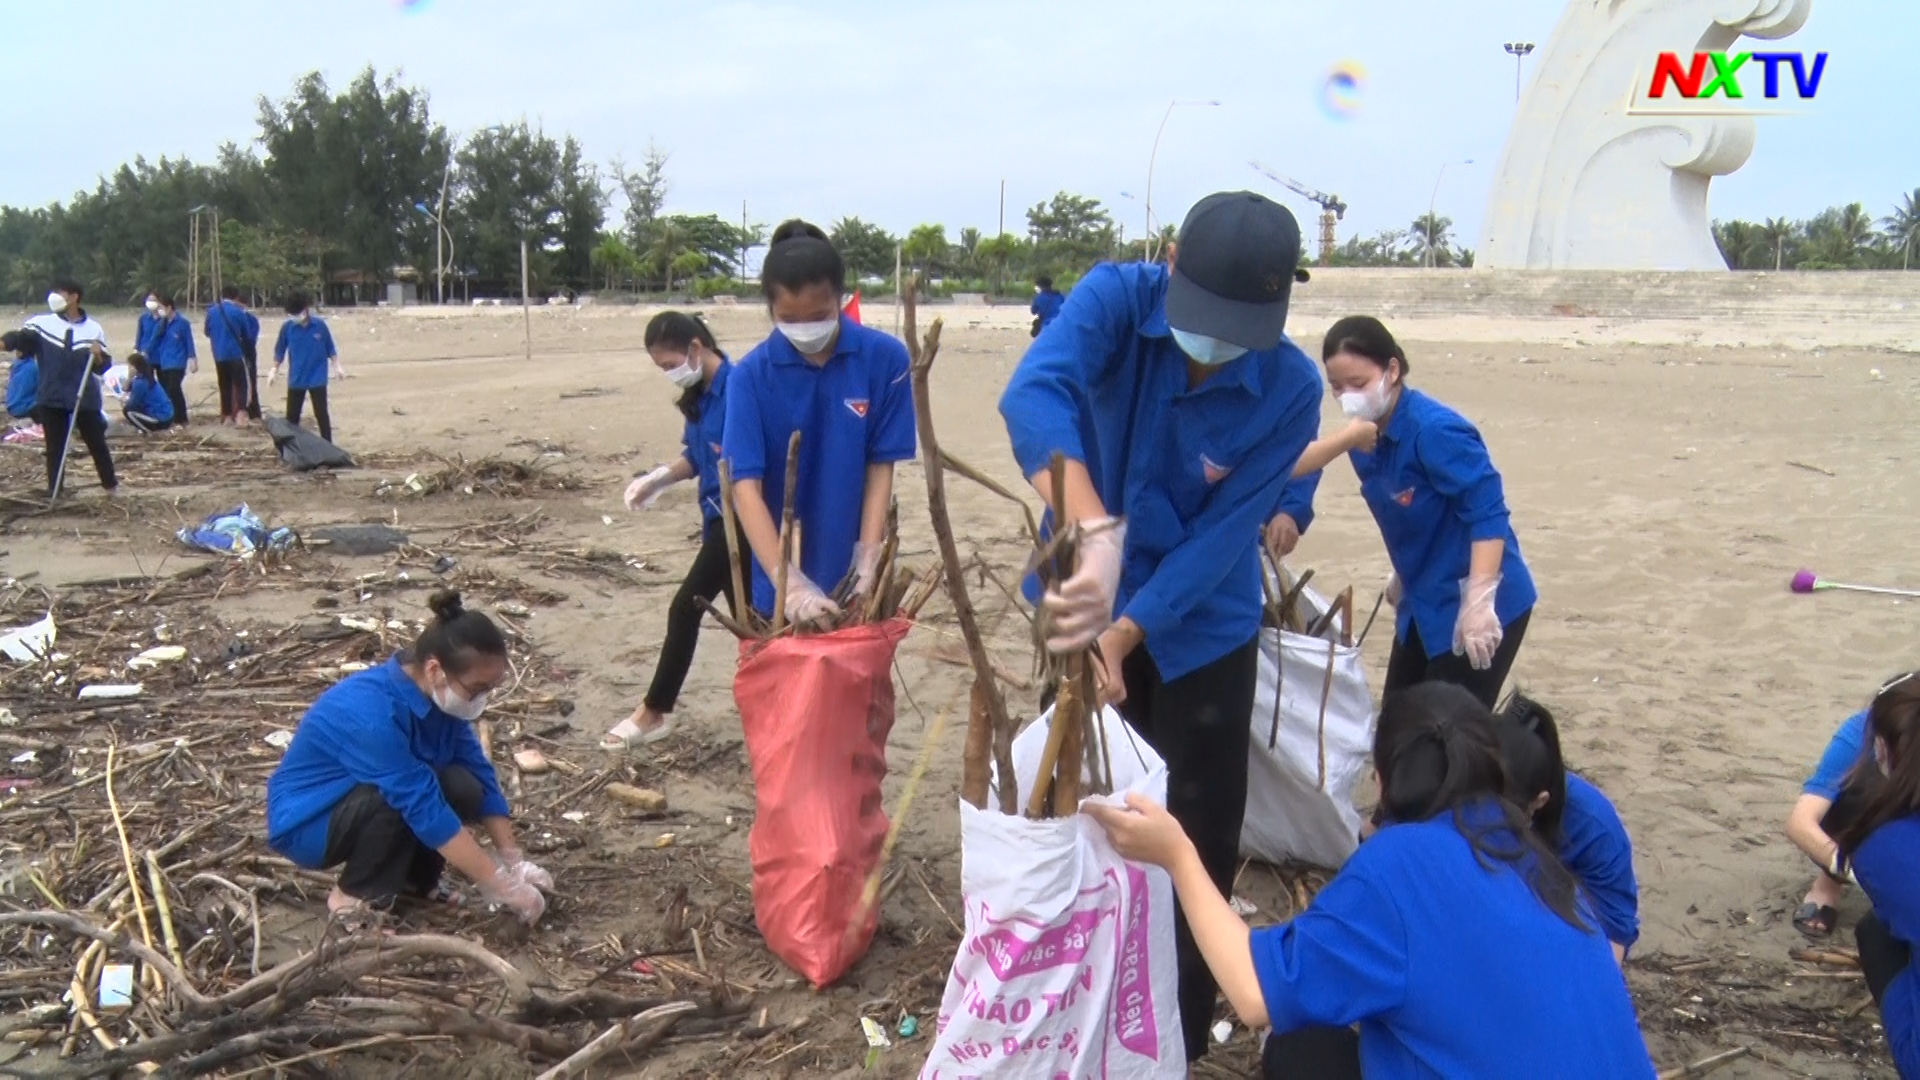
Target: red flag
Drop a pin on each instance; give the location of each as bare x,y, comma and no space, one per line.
853,307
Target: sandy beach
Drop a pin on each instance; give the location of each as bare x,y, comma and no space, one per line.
1664,491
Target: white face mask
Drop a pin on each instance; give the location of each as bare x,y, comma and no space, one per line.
687,375
152,304
57,303
1211,352
1369,404
811,337
450,701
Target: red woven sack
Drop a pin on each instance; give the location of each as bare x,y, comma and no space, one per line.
816,711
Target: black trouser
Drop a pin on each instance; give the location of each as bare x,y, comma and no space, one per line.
1199,724
1882,956
236,389
253,386
1315,1053
172,380
144,422
295,400
93,431
1409,665
383,857
707,578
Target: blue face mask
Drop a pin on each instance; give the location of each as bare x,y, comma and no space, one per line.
1211,352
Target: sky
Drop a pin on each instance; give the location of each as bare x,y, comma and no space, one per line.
911,111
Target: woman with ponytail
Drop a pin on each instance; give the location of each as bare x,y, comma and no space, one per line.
1454,938
683,350
385,773
1882,846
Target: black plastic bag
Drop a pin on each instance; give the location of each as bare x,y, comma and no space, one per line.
304,451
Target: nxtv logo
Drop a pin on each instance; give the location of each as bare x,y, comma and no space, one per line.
1717,74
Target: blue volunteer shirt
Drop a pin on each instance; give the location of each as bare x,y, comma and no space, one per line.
1434,493
374,727
855,410
1196,472
1046,306
147,397
172,344
23,385
147,333
1595,846
1451,969
230,327
704,440
63,349
307,349
1841,755
1888,869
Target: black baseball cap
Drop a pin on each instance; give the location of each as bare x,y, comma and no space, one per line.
1234,269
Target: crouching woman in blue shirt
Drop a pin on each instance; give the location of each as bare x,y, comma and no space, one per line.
1576,819
1883,847
385,769
1462,592
1453,938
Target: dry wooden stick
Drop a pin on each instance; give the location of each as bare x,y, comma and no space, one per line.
742,599
653,1024
973,781
126,856
995,486
158,880
870,893
720,617
786,533
1326,692
973,771
1706,1064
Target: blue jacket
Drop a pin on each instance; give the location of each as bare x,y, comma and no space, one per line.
147,333
704,440
225,320
1451,968
1434,492
172,344
1888,869
1196,472
147,397
374,727
23,385
854,411
62,348
1046,306
1842,754
1595,846
307,349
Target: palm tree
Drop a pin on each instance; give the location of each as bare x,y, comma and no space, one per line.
1777,231
1839,234
1737,239
1903,227
612,257
926,247
670,241
1432,235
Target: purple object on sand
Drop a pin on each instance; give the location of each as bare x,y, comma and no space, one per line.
1803,581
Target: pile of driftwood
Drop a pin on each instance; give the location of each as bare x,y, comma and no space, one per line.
1285,610
493,476
898,593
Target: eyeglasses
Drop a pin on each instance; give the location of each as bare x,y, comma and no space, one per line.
465,690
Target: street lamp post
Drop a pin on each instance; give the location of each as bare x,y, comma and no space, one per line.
1171,105
1432,202
1518,50
440,235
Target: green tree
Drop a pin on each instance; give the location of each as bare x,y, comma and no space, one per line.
997,256
1070,233
925,248
1739,242
349,167
583,209
1839,238
646,192
1776,233
868,250
614,259
1903,227
508,188
1431,237
670,241
719,242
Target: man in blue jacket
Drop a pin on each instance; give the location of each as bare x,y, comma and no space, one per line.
71,349
234,336
1180,407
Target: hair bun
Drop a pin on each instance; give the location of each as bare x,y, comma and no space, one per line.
795,229
446,605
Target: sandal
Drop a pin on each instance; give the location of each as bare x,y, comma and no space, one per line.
613,742
1815,921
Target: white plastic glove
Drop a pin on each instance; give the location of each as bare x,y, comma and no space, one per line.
274,374
806,604
1476,633
516,865
515,895
1394,590
1080,608
645,489
866,568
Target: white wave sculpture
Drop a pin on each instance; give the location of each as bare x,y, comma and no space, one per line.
1589,182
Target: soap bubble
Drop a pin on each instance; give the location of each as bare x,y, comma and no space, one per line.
1340,94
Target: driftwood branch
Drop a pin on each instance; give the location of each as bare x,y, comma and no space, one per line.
650,1027
973,779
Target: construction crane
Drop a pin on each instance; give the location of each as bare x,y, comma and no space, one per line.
1331,208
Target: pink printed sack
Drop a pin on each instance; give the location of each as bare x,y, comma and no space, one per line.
1067,965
